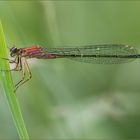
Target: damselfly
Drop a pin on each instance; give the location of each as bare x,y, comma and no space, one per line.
96,54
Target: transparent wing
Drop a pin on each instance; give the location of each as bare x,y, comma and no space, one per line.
97,54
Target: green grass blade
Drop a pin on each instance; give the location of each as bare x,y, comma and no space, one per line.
7,82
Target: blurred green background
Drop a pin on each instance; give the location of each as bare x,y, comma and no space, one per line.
67,99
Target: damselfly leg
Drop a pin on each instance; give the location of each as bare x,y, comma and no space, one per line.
24,70
22,66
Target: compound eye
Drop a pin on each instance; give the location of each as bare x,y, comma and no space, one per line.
13,51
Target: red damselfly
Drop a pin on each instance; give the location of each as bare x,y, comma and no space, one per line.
96,54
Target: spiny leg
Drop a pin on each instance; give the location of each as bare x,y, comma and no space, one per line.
29,71
26,67
22,71
16,61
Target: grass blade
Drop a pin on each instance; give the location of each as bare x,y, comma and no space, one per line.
7,82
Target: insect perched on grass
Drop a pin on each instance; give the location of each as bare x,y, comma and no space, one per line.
96,54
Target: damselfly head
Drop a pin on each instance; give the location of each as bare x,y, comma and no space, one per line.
14,51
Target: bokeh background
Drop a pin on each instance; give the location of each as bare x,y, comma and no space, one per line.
67,99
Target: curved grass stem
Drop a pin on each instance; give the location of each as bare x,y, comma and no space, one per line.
6,80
